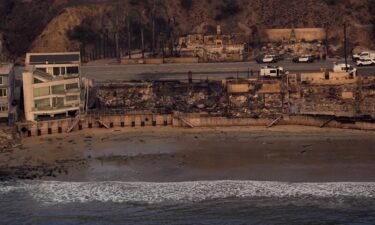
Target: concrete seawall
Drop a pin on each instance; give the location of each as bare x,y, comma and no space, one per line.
91,122
42,128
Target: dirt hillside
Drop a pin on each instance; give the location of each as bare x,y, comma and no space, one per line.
49,25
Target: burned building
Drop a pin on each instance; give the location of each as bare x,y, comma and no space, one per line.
255,98
328,94
212,48
137,96
336,94
366,97
231,98
160,96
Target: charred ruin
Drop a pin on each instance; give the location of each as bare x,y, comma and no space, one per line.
321,94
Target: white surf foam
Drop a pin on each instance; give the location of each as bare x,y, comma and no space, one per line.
140,192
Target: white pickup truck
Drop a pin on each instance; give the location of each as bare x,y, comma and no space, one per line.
272,71
363,55
269,58
304,59
366,62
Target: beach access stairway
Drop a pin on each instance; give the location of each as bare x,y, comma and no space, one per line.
185,121
275,122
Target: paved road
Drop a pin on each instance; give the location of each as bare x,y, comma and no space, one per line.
200,71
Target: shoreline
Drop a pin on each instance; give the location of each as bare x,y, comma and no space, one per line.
165,154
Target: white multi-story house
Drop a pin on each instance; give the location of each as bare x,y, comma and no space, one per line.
52,85
6,92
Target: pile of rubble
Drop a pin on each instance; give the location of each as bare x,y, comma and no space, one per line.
163,97
7,140
286,49
258,102
336,96
367,98
329,99
208,97
130,96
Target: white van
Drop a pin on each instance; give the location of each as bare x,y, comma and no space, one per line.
272,71
341,67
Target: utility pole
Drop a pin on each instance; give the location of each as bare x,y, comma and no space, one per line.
129,36
326,42
171,35
143,42
118,53
163,45
142,34
345,48
153,27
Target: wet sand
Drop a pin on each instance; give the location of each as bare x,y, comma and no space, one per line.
283,153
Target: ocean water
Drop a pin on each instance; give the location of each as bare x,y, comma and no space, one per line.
201,202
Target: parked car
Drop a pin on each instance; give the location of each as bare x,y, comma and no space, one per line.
363,55
366,62
269,58
304,59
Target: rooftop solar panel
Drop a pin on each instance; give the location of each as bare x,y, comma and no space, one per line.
54,59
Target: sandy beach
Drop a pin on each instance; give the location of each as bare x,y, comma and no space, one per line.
283,153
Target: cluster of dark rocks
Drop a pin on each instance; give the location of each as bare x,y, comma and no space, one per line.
28,172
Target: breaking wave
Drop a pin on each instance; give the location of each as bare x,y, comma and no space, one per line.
53,192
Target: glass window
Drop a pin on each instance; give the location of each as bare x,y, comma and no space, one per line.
71,98
3,92
56,71
72,70
58,89
3,108
42,103
58,102
62,70
43,91
1,80
72,86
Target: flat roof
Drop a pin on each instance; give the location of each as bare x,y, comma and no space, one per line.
53,58
5,69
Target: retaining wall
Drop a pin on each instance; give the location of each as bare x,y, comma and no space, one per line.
91,122
308,34
146,120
